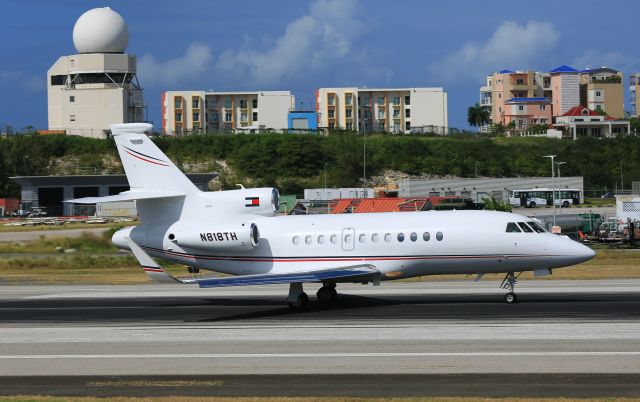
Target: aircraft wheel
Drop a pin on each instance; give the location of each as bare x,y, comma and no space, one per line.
510,298
327,295
302,302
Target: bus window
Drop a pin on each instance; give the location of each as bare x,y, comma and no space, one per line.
524,227
512,228
536,227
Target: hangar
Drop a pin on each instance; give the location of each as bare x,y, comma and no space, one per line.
50,192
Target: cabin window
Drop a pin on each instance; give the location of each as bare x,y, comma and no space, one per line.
321,239
375,237
524,227
513,228
362,238
334,239
295,240
307,239
439,236
426,236
387,237
401,237
413,236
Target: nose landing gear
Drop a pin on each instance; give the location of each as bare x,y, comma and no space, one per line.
509,283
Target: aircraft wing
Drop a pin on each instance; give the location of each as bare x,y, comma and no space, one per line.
128,196
353,273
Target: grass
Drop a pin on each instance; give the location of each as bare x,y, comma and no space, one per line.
302,399
599,202
66,226
87,242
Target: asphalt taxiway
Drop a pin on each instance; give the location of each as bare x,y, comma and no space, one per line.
421,334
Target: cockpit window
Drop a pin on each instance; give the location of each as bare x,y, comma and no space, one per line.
513,228
525,227
536,226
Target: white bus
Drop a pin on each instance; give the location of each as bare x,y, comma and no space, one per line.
533,197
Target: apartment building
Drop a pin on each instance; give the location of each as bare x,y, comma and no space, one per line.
634,89
580,121
397,110
209,111
530,97
601,90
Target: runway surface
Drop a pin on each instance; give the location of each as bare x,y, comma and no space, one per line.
564,338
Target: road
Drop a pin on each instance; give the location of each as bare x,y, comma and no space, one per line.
565,338
23,236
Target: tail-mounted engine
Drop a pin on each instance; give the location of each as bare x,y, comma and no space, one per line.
229,237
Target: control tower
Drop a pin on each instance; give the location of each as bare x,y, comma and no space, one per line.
89,91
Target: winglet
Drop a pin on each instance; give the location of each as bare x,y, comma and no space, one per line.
153,270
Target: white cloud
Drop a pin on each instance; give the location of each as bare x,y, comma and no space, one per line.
510,46
31,83
196,61
312,42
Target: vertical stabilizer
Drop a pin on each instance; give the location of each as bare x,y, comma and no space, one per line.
145,165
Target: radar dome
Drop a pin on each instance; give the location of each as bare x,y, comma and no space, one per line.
100,30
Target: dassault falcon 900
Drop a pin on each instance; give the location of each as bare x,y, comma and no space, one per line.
237,232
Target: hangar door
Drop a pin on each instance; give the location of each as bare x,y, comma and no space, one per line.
51,198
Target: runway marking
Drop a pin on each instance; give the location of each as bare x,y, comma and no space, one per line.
320,355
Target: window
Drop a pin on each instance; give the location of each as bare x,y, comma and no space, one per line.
396,100
536,226
519,81
367,100
524,227
177,103
362,238
348,100
407,100
58,79
407,113
295,240
413,236
499,96
375,238
195,103
334,239
308,239
520,108
178,116
331,100
598,107
196,116
332,124
254,103
380,100
543,107
512,228
72,98
407,125
387,237
243,117
227,117
347,238
331,113
426,236
349,126
213,117
349,113
380,114
243,103
227,103
598,93
255,116
396,113
400,237
72,117
439,236
321,239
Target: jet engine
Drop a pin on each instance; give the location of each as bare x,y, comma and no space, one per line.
229,237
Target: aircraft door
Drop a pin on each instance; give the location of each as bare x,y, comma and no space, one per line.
348,239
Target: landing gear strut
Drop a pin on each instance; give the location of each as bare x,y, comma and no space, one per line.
327,293
297,299
509,283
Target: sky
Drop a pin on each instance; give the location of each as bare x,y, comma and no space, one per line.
302,45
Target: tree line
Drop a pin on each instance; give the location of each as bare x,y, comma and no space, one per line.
294,162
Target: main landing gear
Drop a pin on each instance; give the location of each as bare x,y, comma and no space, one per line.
509,283
298,299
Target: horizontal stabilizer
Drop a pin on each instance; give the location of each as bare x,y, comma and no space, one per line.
128,196
354,273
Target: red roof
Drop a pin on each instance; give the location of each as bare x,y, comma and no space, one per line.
369,205
578,111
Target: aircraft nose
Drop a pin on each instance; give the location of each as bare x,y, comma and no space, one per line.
569,252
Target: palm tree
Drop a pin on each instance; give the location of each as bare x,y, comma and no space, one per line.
478,116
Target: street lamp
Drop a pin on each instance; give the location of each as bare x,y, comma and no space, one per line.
553,185
364,152
558,165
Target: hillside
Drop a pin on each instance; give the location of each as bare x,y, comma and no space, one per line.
293,162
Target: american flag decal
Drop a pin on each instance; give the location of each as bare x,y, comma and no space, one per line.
252,201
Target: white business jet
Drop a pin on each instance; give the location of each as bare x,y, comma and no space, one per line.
237,232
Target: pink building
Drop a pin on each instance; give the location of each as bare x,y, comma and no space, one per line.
565,86
525,112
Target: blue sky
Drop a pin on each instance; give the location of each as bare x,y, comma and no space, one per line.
301,45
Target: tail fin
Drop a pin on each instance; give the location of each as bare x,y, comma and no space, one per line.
145,165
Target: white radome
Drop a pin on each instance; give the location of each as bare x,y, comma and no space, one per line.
100,30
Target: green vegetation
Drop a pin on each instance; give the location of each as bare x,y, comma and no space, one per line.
478,116
293,162
86,243
492,204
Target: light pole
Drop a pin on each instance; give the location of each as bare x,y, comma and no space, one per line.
476,168
553,185
325,175
558,165
364,153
